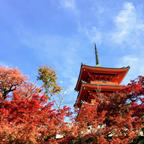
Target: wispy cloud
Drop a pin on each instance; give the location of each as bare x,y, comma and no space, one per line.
69,4
92,33
5,65
128,25
136,66
127,32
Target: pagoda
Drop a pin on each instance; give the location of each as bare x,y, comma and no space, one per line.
96,80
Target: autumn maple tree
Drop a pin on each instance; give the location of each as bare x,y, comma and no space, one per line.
10,79
117,118
27,115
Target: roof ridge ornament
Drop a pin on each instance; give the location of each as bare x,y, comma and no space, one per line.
96,55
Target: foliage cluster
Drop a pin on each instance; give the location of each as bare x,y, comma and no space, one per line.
27,115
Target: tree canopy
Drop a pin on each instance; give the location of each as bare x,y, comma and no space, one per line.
48,77
27,115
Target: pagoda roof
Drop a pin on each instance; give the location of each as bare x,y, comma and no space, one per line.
117,74
97,88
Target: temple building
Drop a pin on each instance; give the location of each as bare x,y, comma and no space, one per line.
96,80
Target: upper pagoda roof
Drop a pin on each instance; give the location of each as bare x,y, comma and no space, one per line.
105,73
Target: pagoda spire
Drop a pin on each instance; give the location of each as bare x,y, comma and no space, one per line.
96,55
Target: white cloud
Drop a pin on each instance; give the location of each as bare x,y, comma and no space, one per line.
3,64
128,32
70,4
128,28
136,66
128,25
92,33
98,9
129,60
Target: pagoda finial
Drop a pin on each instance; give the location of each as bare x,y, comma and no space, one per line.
96,54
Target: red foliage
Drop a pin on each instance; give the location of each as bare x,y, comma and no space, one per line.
115,119
25,120
28,117
10,79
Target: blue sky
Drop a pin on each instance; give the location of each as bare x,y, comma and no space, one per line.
62,33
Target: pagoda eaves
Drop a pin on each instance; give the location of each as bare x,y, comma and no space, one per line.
91,73
87,91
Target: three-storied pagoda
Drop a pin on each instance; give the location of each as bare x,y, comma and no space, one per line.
93,81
